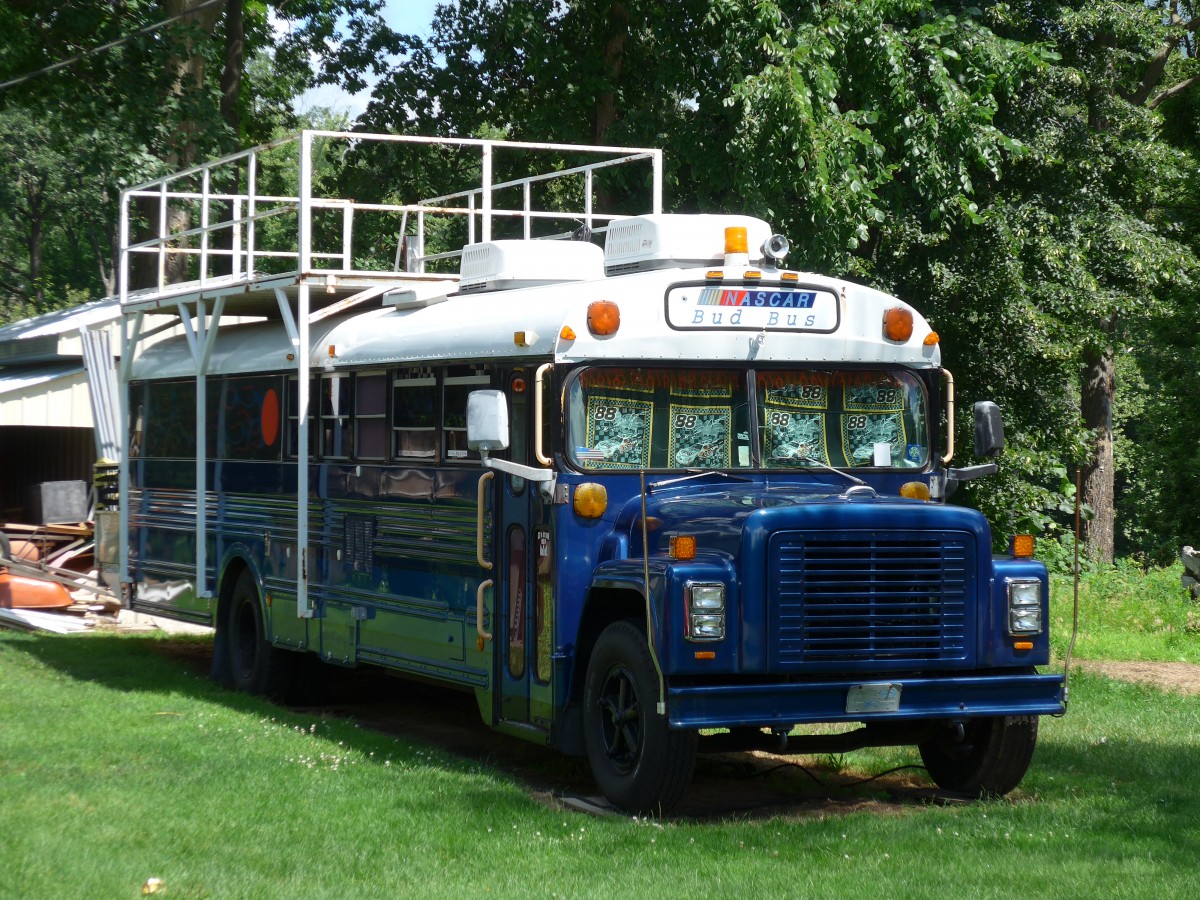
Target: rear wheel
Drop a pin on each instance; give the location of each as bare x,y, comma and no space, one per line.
639,763
255,666
984,757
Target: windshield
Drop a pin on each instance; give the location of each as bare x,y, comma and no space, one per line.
679,419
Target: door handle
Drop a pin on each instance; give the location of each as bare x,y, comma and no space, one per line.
479,610
481,496
538,407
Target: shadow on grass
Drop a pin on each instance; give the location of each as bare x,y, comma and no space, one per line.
1148,781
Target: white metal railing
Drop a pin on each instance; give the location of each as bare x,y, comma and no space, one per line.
212,216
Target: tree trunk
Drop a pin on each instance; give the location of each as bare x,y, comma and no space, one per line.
231,88
616,33
187,73
1097,407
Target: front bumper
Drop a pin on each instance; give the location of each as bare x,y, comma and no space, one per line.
787,704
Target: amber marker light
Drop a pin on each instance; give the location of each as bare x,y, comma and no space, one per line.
683,546
1022,645
915,490
714,275
567,333
706,654
736,240
898,324
751,275
789,276
932,339
591,499
604,318
1022,546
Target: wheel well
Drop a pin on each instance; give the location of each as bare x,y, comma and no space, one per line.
604,606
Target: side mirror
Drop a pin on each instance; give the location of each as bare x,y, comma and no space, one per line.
989,429
487,421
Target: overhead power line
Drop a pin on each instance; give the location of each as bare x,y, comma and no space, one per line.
62,64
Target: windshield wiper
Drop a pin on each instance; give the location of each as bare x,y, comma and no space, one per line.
696,473
809,461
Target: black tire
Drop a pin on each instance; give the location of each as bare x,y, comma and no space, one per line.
255,666
640,765
987,757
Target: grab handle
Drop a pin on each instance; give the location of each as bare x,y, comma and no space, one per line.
479,611
481,497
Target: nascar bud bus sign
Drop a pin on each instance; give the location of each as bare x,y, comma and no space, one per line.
755,309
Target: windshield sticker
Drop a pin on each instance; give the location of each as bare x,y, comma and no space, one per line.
700,436
618,432
861,432
801,396
793,437
719,392
883,396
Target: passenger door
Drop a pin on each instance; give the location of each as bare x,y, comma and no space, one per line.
522,582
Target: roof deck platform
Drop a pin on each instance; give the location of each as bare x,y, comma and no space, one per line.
256,231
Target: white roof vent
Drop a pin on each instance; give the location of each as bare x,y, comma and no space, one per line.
503,265
673,240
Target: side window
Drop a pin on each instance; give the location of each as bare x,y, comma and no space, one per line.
459,381
370,415
335,416
246,420
169,422
414,414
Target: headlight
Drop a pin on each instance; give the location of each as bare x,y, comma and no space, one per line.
1024,606
704,611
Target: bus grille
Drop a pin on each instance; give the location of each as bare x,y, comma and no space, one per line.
879,597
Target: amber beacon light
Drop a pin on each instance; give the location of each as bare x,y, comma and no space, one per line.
736,240
603,318
898,324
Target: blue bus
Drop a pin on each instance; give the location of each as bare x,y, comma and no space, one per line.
644,500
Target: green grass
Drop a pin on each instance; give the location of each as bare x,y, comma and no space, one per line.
1126,613
118,764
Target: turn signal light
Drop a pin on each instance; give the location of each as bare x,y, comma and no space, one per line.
591,500
1022,546
604,318
1022,645
683,546
898,324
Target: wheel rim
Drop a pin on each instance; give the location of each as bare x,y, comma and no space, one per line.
620,712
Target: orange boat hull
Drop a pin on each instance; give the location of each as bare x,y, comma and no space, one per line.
22,592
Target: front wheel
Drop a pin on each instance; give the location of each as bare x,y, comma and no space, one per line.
639,763
984,757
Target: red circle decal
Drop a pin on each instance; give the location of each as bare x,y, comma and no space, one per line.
270,417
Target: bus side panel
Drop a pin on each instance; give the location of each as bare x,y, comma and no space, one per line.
397,570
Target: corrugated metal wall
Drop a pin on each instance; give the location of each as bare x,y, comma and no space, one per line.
31,455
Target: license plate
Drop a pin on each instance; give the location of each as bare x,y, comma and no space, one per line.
878,697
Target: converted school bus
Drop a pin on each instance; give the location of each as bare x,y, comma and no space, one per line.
643,499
